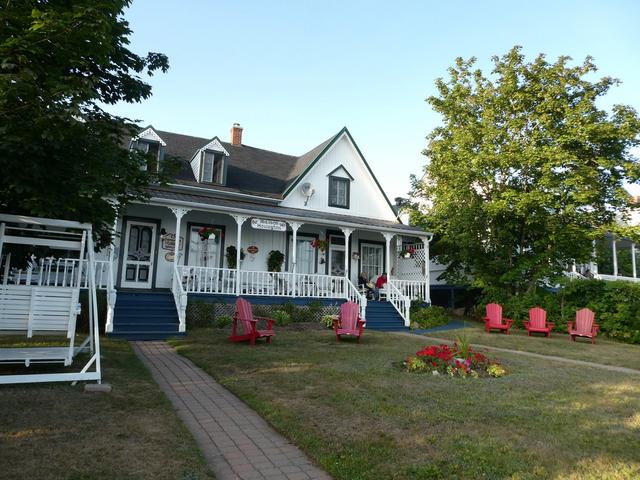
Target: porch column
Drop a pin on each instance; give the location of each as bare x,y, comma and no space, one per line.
614,249
347,233
633,259
179,213
240,219
388,237
427,274
294,254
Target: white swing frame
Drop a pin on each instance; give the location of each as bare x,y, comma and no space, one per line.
65,355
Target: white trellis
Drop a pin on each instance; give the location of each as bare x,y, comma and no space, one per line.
27,307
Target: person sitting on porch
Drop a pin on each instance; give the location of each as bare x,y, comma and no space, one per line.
380,283
364,285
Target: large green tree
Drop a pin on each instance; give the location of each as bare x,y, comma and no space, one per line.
62,154
525,170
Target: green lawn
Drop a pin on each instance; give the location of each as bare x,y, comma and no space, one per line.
360,417
559,344
56,431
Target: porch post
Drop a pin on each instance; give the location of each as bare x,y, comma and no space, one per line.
388,237
347,234
615,256
594,263
179,213
633,259
240,219
294,254
427,275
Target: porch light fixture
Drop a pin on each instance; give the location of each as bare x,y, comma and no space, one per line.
355,256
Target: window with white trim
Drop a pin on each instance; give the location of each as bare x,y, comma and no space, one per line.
339,192
212,167
151,148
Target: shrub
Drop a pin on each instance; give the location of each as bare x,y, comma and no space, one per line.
223,321
281,317
200,314
430,317
327,320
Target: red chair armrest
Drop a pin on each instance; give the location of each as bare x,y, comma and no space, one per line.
569,325
596,327
270,321
525,323
508,321
551,325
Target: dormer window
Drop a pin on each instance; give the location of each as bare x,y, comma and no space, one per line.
151,148
339,192
212,167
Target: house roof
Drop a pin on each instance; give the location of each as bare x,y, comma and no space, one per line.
229,205
250,170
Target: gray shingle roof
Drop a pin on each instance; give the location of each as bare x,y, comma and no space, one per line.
250,170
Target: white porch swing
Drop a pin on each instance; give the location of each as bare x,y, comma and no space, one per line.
27,307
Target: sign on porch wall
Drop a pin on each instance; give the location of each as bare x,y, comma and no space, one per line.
169,241
263,224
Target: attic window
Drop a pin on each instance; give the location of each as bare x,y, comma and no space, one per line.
339,190
212,167
152,148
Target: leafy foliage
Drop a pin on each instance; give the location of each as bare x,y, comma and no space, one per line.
429,317
274,260
525,170
281,317
62,154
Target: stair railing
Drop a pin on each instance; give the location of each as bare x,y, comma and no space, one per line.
180,297
400,302
353,294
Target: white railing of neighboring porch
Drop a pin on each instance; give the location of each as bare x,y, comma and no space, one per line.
414,289
400,302
224,281
180,298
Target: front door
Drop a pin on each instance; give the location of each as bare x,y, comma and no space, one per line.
337,254
139,255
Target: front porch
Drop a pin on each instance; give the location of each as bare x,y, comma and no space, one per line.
234,254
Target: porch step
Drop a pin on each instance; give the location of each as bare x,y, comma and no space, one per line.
145,316
382,316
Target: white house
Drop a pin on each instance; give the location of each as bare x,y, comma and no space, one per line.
322,218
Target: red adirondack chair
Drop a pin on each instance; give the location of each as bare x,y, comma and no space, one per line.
349,321
245,324
538,322
584,326
494,319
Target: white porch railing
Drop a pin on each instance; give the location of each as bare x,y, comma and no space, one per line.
60,272
414,289
400,302
619,278
224,281
180,298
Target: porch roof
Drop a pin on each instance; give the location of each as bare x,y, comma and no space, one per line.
170,197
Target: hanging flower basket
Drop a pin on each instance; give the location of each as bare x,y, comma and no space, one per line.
210,233
408,252
321,245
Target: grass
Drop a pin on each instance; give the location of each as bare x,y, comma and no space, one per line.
56,431
360,417
604,351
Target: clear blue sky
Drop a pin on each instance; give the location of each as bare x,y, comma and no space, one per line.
294,72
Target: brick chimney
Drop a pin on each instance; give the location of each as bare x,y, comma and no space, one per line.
236,135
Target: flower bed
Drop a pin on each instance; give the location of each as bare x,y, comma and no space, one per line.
457,361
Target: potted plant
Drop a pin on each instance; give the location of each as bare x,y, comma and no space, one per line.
232,254
408,252
321,245
274,261
210,233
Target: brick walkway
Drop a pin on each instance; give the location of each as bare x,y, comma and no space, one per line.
236,441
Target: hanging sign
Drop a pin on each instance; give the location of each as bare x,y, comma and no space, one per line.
263,224
169,241
252,249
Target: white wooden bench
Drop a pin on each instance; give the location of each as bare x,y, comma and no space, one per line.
30,310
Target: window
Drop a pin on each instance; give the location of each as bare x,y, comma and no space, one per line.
339,192
204,253
372,259
212,168
151,148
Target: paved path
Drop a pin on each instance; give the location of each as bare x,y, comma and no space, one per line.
236,441
571,361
